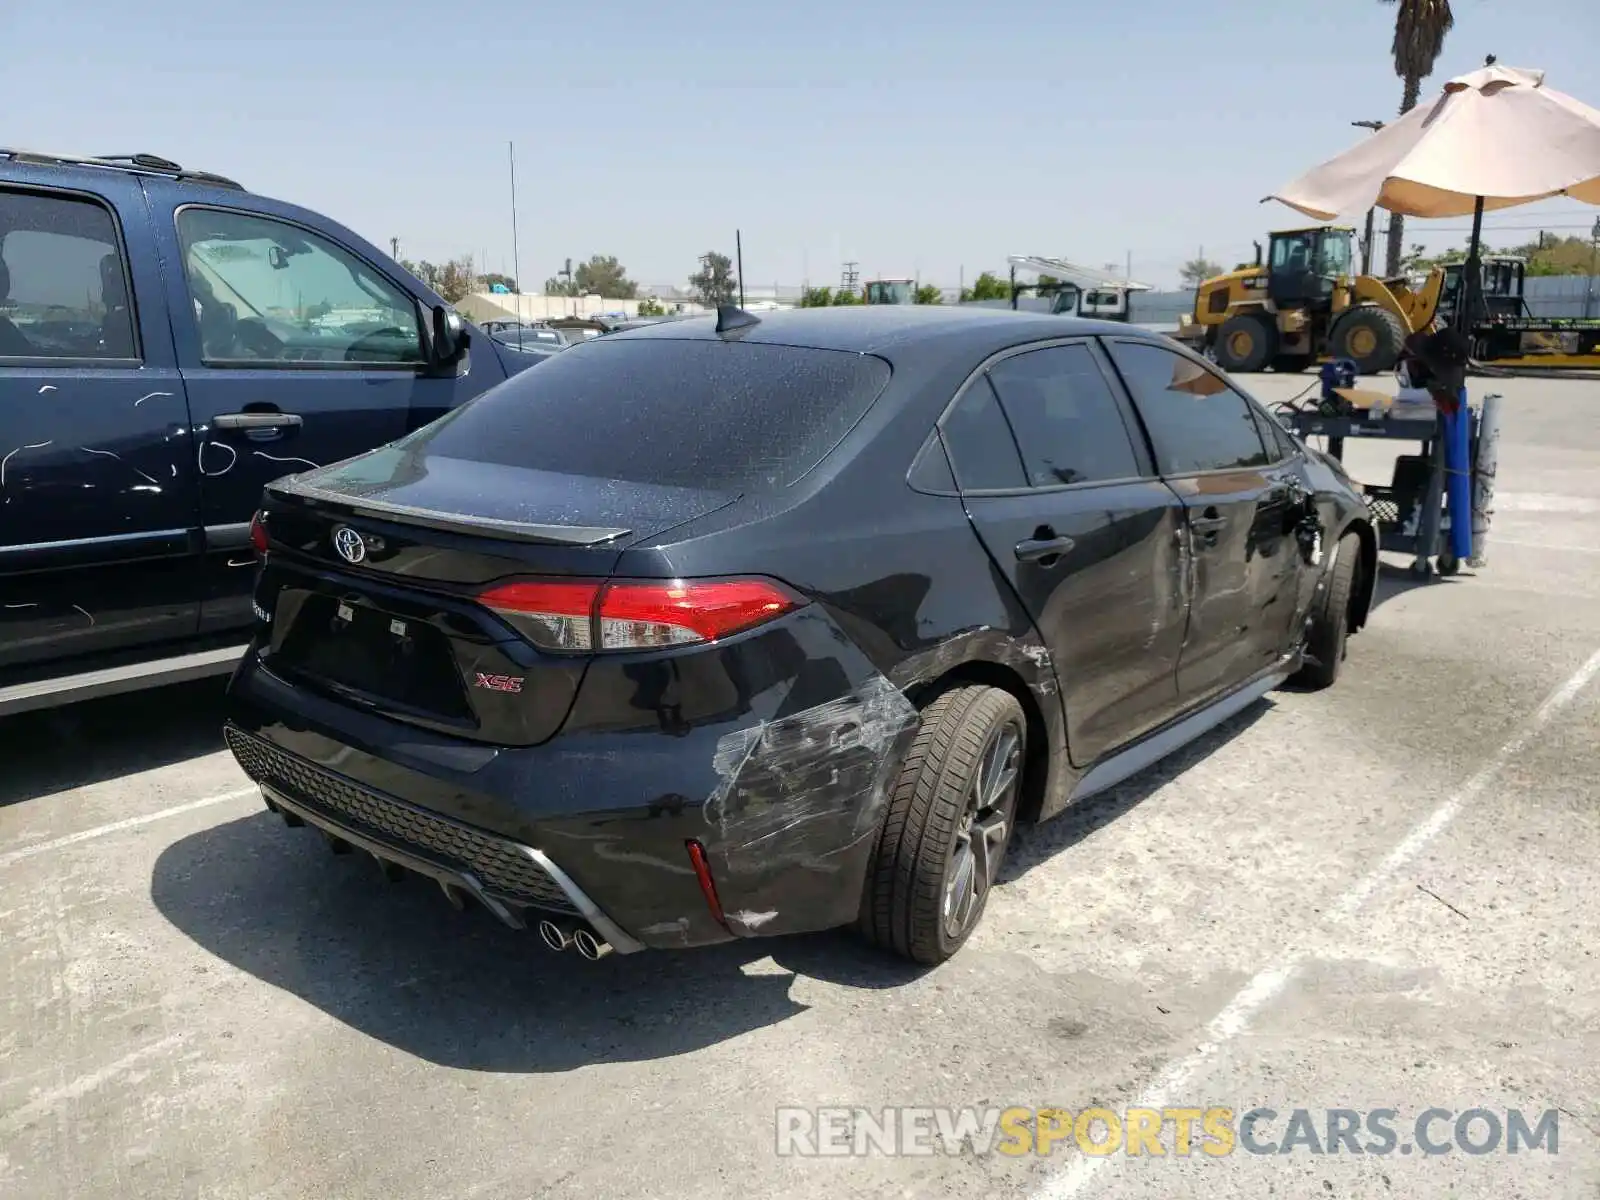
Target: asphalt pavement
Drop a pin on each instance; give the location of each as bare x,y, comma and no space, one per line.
1379,897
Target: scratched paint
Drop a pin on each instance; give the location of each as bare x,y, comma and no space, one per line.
810,783
6,461
200,460
275,458
112,454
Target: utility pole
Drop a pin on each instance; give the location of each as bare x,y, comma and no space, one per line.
516,263
1366,241
849,277
394,249
738,253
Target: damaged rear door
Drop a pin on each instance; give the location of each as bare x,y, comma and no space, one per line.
98,503
1086,535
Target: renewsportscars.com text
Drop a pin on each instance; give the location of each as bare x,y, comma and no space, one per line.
1214,1131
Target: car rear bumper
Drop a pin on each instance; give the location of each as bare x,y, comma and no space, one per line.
595,827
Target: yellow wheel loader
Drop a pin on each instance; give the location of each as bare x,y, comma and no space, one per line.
1303,304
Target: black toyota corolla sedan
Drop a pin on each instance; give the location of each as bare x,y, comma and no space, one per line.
744,626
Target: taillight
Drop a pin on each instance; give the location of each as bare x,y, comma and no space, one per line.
258,533
708,885
636,614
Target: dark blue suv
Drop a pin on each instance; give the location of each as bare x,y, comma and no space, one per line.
169,344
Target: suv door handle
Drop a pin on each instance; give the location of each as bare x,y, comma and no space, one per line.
1034,549
256,420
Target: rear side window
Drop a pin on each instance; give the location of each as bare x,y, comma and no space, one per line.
63,283
1065,417
1197,422
736,416
980,444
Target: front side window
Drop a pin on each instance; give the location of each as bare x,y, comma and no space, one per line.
1065,417
1196,421
267,293
63,282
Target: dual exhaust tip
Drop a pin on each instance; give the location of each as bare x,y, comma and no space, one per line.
559,937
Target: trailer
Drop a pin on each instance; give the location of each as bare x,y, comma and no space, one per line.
1076,291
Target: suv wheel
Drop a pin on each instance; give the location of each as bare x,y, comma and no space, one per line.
948,824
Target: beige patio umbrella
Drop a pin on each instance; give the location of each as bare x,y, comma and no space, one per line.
1494,138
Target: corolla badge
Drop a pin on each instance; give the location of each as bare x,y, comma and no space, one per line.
351,546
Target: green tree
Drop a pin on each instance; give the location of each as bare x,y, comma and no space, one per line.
456,279
1197,270
1420,27
487,282
649,306
928,293
603,275
817,297
425,271
1551,254
714,283
987,286
847,296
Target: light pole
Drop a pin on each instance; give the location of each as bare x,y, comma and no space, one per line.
1366,243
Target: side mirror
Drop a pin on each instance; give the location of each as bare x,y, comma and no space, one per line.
449,336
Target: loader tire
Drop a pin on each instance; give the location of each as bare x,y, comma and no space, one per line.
1246,342
1369,336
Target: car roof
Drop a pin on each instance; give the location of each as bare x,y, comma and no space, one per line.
890,329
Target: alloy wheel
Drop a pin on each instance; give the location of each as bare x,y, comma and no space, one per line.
981,834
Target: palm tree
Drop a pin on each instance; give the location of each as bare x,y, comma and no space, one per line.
1419,30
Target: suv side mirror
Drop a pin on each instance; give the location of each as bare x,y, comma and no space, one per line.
449,336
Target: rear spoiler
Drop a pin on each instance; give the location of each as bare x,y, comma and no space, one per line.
522,531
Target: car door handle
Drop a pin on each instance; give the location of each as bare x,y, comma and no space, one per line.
256,420
1210,523
1034,549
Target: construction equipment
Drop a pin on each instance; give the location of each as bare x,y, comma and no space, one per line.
1075,291
1304,303
890,291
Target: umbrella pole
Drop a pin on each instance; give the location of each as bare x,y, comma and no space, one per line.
1471,273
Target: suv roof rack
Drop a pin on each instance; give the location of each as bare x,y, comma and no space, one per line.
138,164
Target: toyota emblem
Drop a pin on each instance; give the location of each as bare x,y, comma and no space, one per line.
350,544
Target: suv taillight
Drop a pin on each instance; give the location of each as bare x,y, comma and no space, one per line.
582,616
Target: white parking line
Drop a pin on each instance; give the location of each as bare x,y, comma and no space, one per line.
1269,983
72,839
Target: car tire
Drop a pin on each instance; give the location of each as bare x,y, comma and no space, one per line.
948,824
1326,640
1246,342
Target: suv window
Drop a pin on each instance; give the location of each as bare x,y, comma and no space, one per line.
1065,416
1197,422
266,293
982,450
738,416
63,281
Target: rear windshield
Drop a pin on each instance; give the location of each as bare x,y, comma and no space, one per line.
727,415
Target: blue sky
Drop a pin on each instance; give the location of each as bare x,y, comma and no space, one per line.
914,138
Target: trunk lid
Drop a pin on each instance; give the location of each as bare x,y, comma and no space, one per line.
376,564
